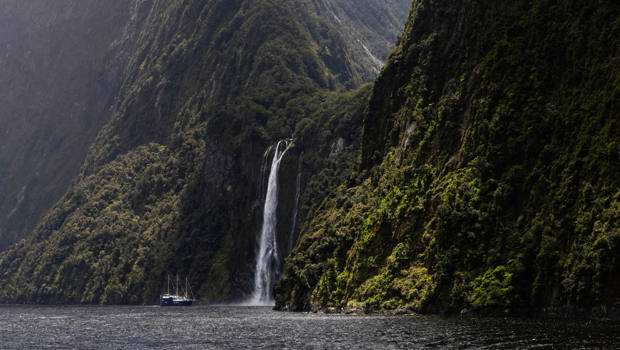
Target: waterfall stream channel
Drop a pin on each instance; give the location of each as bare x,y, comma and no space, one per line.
268,258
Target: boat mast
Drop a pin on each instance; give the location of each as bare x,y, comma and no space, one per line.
176,291
168,284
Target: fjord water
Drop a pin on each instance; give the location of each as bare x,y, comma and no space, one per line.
225,327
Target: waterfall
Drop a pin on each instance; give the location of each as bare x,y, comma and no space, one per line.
291,236
261,175
268,260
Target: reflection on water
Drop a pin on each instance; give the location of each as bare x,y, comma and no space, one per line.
207,327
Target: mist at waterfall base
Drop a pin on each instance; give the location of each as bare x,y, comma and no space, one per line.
268,262
209,327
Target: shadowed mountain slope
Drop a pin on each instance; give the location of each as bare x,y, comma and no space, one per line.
60,69
171,184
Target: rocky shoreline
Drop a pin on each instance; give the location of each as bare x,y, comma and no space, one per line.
599,313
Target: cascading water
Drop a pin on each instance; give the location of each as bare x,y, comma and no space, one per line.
268,260
291,236
261,175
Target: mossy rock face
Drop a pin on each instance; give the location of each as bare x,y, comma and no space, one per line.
489,166
492,289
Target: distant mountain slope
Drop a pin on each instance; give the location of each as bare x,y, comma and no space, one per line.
171,183
372,28
490,162
60,69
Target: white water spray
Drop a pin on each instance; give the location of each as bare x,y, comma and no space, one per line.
268,259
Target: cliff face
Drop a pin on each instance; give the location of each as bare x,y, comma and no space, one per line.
60,69
171,184
372,29
489,168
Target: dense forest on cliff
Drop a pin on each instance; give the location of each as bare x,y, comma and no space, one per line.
479,171
489,176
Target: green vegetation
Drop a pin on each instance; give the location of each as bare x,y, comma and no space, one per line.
485,177
171,183
489,179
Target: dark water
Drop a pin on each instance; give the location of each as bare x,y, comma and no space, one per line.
204,327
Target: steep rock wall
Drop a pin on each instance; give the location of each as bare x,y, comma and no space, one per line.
489,162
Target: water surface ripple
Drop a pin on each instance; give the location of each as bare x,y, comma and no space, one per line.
209,327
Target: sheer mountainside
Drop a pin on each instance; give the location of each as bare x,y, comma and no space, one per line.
372,28
60,68
171,183
485,176
490,162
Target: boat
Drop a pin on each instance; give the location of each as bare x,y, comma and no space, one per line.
176,298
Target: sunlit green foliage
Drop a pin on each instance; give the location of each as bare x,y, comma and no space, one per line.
489,168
